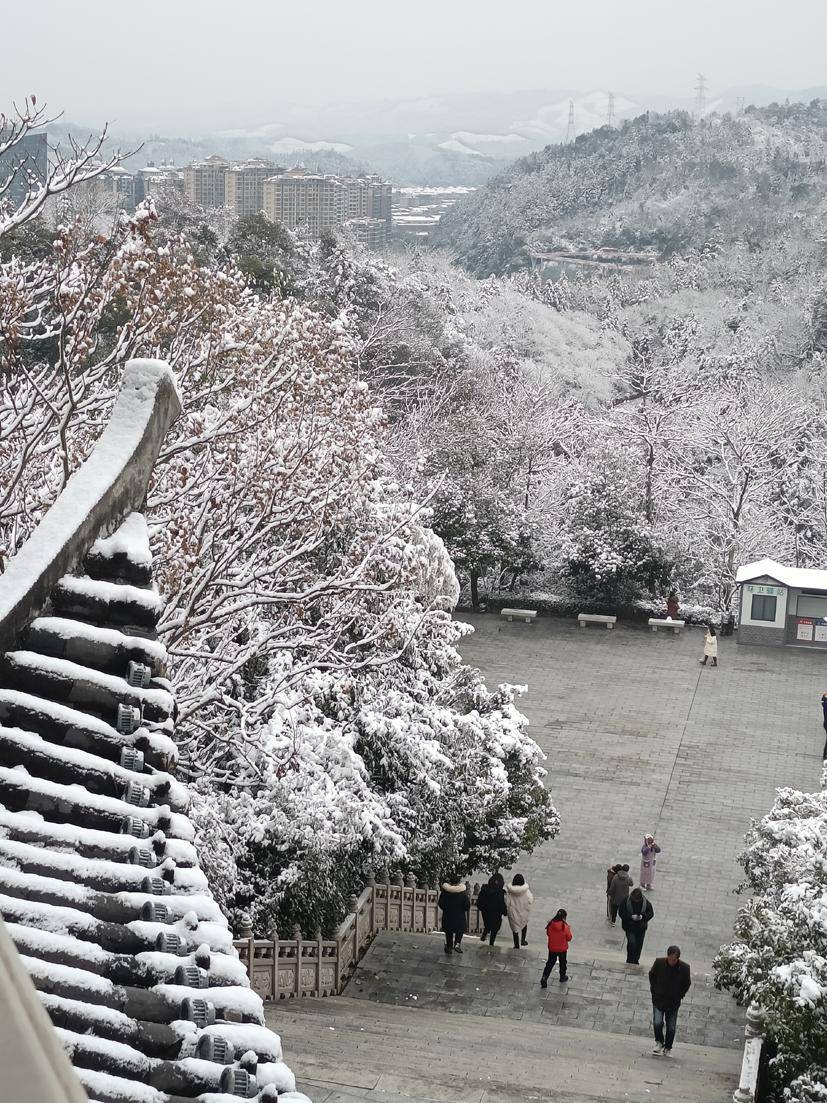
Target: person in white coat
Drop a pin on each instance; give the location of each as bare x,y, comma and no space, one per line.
518,901
710,646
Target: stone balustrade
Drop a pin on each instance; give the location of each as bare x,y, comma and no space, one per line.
282,967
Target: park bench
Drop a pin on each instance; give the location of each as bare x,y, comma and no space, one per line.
658,622
528,615
596,618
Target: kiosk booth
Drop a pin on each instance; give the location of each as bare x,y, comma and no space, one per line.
782,605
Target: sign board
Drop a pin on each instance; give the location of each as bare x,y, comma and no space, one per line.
761,588
804,630
821,633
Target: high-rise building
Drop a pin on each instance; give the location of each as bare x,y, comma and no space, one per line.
297,198
205,182
300,198
244,193
27,163
378,199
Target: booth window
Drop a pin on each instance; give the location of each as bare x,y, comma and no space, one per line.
763,607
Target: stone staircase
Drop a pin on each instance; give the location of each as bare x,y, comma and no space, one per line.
417,1025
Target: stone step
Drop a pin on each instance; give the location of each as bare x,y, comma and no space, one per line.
348,1050
603,993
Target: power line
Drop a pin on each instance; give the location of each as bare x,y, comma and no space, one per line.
570,129
610,110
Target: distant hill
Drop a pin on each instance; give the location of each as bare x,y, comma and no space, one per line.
660,182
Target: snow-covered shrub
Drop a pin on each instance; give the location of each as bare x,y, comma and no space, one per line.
778,959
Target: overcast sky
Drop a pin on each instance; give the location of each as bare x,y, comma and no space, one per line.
187,65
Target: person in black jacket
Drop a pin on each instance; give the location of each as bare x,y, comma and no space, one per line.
491,903
669,981
455,904
636,913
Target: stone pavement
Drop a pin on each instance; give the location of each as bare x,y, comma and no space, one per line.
639,737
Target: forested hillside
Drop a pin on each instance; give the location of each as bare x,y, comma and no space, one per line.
659,182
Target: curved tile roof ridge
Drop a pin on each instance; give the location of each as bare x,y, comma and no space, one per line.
99,883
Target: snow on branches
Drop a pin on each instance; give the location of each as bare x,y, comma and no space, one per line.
323,704
778,959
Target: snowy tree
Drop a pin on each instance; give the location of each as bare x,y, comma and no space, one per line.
610,552
322,700
778,959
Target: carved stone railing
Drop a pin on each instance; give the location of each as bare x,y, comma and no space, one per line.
282,967
98,495
751,1061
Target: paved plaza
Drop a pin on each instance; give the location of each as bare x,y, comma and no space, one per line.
639,737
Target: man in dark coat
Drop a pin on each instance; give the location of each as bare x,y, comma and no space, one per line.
491,903
635,915
618,890
669,981
455,903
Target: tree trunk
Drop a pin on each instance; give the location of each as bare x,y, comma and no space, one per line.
475,592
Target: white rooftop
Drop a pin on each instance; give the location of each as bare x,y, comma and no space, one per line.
804,578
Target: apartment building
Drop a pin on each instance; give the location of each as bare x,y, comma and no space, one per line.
298,198
364,197
26,163
120,186
244,189
370,232
205,182
155,179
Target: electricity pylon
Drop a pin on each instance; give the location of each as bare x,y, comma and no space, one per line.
700,96
610,110
570,131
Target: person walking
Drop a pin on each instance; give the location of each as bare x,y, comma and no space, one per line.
710,646
559,936
648,861
669,981
519,899
618,891
824,715
454,904
610,872
672,606
636,913
491,903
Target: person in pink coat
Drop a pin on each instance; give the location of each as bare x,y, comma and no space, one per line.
648,860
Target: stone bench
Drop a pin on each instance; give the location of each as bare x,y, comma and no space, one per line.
528,615
596,618
657,622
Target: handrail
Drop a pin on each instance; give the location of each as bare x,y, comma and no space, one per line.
111,483
279,968
751,1060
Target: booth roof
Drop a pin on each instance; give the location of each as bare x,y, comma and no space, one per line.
802,578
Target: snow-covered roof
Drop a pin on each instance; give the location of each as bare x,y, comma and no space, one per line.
100,888
801,578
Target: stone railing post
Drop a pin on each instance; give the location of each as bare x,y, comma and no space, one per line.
372,887
353,908
274,936
297,935
750,1062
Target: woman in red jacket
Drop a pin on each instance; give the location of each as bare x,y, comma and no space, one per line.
559,937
